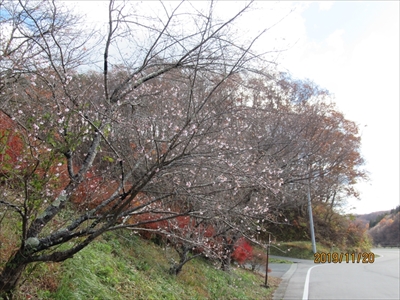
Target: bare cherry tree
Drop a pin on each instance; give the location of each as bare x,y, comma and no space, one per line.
99,145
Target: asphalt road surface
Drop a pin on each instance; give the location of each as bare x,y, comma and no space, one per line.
377,280
305,279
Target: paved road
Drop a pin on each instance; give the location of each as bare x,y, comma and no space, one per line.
277,269
378,280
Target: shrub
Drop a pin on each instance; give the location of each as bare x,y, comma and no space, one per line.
243,251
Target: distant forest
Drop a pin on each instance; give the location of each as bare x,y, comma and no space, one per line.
384,227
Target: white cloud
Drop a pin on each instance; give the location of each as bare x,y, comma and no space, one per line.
335,42
325,5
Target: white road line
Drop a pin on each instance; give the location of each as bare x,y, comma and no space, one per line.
306,284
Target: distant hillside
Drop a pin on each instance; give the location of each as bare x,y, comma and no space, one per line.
384,227
366,218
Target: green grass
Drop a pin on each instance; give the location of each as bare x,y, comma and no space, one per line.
123,266
303,249
279,261
298,249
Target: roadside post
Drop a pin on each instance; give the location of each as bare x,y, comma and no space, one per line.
266,266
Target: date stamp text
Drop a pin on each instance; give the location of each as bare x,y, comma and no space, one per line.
335,257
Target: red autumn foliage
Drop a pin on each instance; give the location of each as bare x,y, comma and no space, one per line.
13,157
179,225
11,144
157,225
95,189
90,192
171,229
243,251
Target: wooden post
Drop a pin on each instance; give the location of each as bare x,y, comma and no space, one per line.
266,266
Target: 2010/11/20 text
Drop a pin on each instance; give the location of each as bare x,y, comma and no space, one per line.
364,257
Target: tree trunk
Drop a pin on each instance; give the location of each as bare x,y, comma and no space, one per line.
183,259
176,269
229,247
226,263
10,276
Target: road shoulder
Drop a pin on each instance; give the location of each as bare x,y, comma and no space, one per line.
281,290
292,285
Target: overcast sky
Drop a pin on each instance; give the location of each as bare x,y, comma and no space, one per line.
349,48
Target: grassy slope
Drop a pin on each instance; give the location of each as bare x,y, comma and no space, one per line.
127,267
123,266
300,249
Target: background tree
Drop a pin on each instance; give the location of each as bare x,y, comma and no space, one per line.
310,141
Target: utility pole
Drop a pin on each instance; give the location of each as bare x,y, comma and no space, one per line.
314,247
